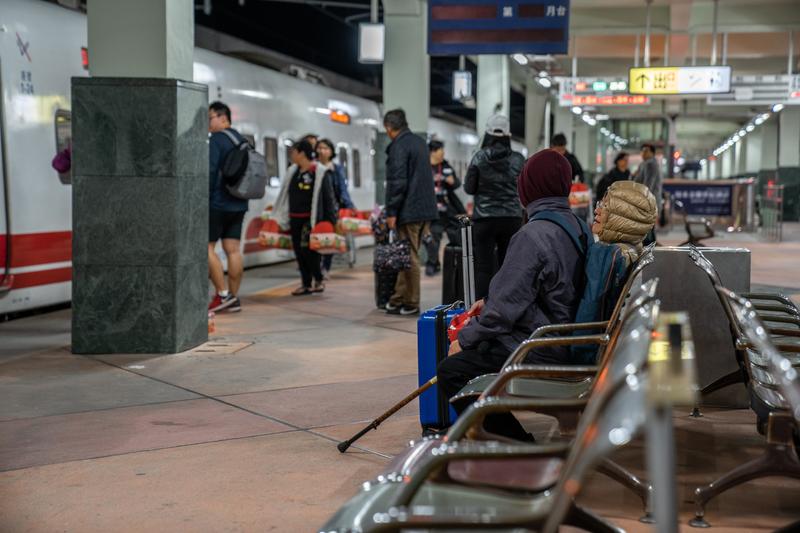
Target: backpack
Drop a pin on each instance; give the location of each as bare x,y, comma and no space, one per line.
605,271
244,171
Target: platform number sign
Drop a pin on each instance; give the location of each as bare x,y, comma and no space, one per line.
458,27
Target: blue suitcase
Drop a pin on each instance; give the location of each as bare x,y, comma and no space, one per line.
435,411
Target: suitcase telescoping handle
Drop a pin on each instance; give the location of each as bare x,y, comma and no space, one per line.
467,265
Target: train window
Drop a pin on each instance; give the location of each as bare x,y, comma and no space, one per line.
356,168
271,158
251,139
63,127
343,160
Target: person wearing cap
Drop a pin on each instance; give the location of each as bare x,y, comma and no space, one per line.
539,283
492,180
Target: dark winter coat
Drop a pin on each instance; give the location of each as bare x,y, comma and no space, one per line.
540,283
447,194
409,180
577,169
605,182
492,179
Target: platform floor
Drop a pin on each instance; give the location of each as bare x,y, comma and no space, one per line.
241,434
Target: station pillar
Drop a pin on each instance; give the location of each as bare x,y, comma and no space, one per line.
140,183
535,104
585,149
406,66
789,161
753,149
494,89
562,123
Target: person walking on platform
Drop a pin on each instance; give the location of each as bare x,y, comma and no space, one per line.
620,172
225,212
305,199
539,283
410,203
649,175
492,179
448,205
559,144
326,153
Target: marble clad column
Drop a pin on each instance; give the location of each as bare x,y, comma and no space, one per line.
494,89
140,215
140,183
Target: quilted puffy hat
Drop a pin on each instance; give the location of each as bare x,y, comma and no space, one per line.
629,213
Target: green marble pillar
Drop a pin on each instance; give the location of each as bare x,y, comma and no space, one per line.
140,215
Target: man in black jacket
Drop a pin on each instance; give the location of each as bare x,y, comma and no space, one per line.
559,144
410,203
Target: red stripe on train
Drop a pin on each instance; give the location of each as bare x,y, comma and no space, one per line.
41,277
28,249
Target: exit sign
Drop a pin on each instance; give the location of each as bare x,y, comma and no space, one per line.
679,80
457,27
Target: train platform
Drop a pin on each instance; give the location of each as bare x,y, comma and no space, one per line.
240,434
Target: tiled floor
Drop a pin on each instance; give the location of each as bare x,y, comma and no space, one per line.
245,439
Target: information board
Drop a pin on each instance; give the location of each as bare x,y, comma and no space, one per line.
582,91
679,80
707,200
460,27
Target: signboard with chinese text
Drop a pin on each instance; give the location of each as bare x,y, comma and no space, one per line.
756,89
460,27
706,200
679,80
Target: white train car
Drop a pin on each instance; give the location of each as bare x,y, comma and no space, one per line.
43,45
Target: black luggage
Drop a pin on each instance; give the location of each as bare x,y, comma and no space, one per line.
384,287
452,275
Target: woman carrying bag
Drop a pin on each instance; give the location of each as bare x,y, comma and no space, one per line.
305,199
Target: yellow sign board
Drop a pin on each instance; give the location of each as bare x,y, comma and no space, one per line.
653,80
679,80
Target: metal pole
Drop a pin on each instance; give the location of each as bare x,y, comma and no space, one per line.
636,52
694,49
661,467
666,48
462,63
714,34
724,49
373,11
574,59
647,34
790,63
548,126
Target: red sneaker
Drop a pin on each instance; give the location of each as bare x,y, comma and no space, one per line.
222,302
215,302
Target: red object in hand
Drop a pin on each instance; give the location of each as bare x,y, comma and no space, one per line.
458,322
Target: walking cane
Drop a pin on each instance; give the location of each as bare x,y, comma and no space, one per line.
342,446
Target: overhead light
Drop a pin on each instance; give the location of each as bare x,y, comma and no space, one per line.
543,74
601,117
577,110
522,59
742,133
261,95
545,82
750,128
759,120
777,107
603,130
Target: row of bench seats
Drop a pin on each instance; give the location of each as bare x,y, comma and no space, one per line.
471,479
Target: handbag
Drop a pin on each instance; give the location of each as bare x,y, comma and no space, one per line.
324,240
353,222
272,236
393,255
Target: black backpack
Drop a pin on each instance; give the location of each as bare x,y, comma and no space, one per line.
244,171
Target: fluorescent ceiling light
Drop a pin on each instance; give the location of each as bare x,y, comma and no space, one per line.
777,107
750,128
577,110
522,59
545,82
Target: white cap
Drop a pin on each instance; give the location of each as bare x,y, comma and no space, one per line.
498,125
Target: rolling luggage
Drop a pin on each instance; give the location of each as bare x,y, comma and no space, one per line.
452,275
432,343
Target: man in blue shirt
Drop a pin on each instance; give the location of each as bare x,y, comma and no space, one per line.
225,213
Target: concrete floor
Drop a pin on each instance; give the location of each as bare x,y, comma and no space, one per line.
240,434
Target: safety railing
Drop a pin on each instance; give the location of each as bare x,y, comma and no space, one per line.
771,204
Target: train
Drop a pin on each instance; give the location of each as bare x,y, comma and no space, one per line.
43,45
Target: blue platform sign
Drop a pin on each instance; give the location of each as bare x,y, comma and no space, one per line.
457,27
707,200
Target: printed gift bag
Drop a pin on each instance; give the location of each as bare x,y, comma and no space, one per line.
272,236
393,255
353,222
579,196
325,240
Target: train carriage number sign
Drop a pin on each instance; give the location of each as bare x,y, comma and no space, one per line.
458,27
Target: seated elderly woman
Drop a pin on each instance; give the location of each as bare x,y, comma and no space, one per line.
541,279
